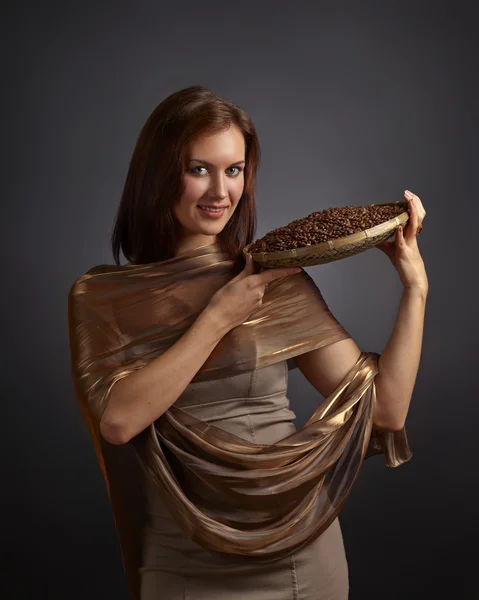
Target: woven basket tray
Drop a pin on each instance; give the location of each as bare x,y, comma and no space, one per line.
337,249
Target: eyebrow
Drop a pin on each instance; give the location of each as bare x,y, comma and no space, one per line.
205,162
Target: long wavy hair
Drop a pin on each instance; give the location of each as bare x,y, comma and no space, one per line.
146,229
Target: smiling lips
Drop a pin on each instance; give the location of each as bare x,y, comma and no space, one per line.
212,212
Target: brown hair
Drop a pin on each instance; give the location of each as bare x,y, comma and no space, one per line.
145,228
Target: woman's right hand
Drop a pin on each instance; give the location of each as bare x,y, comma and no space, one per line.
239,298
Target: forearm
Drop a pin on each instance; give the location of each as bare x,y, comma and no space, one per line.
399,362
143,396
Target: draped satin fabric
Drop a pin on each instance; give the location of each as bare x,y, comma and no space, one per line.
227,494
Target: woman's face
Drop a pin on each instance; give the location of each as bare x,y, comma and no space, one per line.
213,184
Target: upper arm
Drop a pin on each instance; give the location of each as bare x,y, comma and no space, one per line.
326,367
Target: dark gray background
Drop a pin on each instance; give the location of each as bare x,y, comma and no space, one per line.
353,102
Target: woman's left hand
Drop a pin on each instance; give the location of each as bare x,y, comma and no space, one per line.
403,252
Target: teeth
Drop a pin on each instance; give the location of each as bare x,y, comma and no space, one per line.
211,209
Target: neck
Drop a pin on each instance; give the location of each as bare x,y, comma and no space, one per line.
194,241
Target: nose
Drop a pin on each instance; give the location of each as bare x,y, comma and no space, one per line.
218,187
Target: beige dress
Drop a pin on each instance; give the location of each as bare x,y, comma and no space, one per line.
255,407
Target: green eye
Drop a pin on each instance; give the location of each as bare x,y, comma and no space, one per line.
238,171
233,171
195,172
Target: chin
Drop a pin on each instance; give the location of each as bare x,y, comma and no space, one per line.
211,230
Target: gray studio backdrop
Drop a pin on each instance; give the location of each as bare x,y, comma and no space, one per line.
353,103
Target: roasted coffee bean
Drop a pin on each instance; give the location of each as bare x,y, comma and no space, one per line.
328,224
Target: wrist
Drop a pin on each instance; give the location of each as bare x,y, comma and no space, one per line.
418,289
212,324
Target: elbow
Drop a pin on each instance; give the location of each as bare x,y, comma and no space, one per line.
392,426
114,432
387,422
389,416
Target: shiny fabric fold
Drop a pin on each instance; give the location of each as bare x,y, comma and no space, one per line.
272,499
227,494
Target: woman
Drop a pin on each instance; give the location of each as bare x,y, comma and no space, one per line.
183,358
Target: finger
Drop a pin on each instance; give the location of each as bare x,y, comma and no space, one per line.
413,216
400,235
417,202
421,211
272,274
248,269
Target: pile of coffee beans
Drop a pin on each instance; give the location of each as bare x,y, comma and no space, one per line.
328,224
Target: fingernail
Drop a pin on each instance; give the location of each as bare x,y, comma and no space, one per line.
408,194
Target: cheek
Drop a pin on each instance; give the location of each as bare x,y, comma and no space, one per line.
193,189
237,190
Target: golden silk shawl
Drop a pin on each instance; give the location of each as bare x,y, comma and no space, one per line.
275,498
